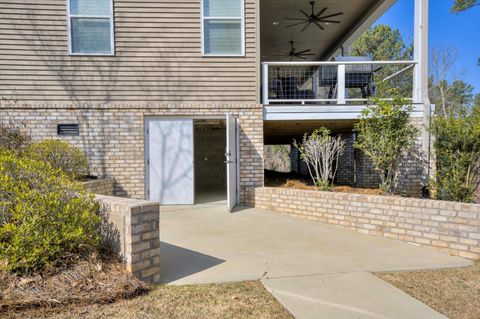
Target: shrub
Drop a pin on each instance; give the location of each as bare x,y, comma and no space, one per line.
321,151
46,219
457,148
61,155
385,134
12,137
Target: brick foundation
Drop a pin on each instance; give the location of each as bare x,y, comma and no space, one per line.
448,226
113,136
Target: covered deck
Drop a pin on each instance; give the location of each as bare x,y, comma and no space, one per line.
307,73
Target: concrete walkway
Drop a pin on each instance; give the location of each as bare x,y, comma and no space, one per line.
315,270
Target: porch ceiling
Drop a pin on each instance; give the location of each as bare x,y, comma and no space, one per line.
283,132
275,38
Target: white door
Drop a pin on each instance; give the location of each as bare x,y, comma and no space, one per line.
231,160
170,161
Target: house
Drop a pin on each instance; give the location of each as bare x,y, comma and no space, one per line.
155,91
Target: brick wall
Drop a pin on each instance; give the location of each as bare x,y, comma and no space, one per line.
134,230
102,186
113,136
448,226
345,172
354,166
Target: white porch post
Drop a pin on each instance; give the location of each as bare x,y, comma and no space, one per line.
265,84
420,79
341,90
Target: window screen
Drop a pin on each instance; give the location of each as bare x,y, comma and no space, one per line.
223,27
91,26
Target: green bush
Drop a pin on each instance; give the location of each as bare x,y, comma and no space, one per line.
61,155
46,218
385,135
457,149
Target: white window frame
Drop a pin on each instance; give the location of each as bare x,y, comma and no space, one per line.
112,30
242,26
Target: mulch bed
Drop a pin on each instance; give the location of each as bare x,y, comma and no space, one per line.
295,181
87,282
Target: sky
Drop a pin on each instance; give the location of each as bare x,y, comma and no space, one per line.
461,30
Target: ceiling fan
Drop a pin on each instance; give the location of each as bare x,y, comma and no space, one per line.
315,18
294,54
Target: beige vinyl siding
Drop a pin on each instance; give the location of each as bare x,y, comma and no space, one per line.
157,56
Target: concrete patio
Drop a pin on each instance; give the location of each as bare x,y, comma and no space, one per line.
315,270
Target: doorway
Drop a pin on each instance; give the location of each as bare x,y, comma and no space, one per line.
192,160
210,169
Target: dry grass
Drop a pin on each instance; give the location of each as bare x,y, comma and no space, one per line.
232,300
288,180
87,282
453,292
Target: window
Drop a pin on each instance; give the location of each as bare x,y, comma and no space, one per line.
90,27
223,27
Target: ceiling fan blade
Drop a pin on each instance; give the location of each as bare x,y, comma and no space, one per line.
304,51
295,19
319,25
305,27
329,21
307,54
330,16
292,25
305,14
300,57
321,12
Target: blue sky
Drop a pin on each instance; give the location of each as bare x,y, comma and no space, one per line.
460,30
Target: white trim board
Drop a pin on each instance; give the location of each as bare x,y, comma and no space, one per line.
323,112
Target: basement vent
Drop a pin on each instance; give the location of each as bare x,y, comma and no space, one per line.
68,129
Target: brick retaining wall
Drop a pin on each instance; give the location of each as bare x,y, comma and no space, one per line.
448,226
134,231
101,186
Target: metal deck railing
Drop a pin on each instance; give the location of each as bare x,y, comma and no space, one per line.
342,82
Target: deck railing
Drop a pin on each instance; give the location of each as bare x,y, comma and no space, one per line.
345,82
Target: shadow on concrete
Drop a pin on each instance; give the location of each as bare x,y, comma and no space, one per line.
177,262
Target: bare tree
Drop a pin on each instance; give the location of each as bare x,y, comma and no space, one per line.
442,61
321,151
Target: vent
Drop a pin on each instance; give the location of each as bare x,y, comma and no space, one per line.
68,129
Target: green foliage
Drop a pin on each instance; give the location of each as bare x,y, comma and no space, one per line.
60,155
385,134
462,5
451,99
46,219
382,43
12,137
457,148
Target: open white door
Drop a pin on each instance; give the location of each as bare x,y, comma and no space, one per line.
170,161
231,160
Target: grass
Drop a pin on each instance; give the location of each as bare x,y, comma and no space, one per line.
232,300
452,292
